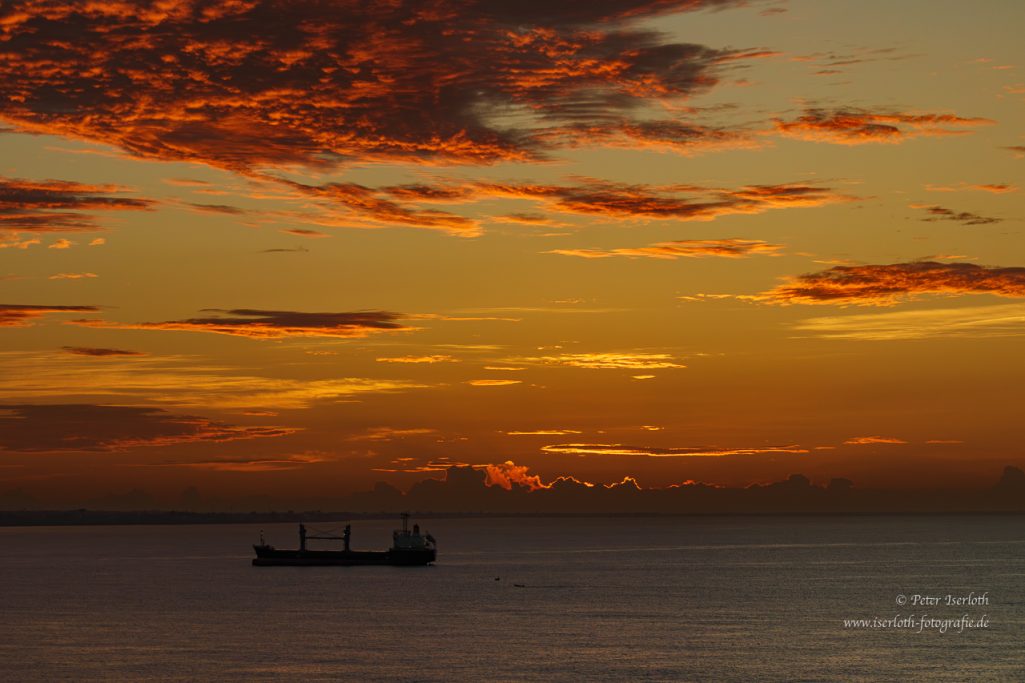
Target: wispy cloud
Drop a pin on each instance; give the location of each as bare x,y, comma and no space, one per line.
286,250
874,440
155,380
391,433
371,208
885,285
23,315
350,205
100,352
39,206
941,213
621,201
861,126
1002,320
417,360
223,209
305,232
608,361
261,324
831,63
727,248
84,427
275,464
73,276
992,188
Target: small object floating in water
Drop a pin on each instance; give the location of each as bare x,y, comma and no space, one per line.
408,548
498,578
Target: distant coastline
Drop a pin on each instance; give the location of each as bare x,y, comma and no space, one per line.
464,493
33,518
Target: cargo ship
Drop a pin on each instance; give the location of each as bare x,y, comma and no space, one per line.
409,548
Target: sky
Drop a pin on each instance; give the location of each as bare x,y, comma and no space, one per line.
257,248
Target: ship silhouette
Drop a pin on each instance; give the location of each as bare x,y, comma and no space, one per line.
409,548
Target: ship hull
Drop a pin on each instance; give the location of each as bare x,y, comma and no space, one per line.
272,557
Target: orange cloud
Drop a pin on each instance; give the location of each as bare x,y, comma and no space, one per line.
546,432
58,205
73,276
728,248
609,361
19,315
508,473
245,85
258,324
998,320
356,206
368,205
437,358
859,126
493,382
885,285
14,242
677,202
870,440
995,188
660,135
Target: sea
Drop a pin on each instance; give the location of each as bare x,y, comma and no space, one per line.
731,598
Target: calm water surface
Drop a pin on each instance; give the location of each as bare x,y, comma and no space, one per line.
718,599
